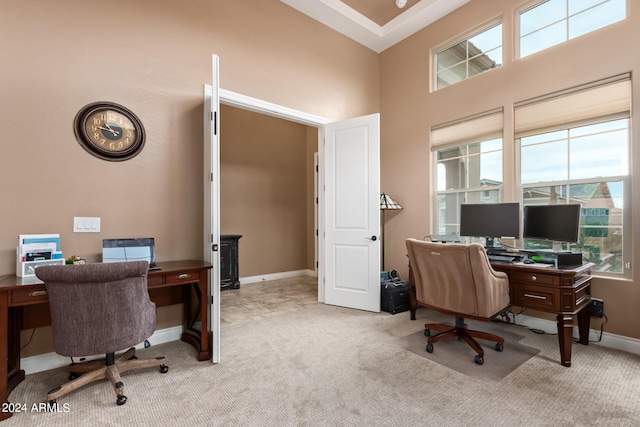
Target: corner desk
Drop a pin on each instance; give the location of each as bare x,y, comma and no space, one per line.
24,305
564,292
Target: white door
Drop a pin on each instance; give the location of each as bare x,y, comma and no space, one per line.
351,169
212,202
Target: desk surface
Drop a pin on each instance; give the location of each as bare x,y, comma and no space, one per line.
11,280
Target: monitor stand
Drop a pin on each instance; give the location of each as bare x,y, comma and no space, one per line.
489,243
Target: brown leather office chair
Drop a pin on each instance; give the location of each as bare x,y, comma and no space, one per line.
457,279
100,309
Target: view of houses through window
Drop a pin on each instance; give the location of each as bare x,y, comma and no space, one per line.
587,165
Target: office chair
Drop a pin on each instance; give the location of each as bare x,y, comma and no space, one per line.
100,309
457,279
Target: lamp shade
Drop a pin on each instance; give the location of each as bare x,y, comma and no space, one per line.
387,203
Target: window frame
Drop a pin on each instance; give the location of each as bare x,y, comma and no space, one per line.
627,264
536,3
466,189
465,38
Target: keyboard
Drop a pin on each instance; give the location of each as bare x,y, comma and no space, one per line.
501,258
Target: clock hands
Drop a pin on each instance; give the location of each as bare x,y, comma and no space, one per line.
108,128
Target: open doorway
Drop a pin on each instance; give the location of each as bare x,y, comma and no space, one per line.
267,195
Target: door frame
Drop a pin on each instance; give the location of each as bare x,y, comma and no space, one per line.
244,102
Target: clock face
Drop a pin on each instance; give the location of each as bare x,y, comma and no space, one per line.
109,131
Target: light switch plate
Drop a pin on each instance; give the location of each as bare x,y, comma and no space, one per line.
83,224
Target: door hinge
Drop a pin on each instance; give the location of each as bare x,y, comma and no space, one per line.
214,117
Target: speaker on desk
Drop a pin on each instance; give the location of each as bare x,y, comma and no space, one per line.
569,259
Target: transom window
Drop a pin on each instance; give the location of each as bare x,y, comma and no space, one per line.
552,22
467,58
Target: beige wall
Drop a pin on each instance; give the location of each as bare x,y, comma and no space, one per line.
409,109
152,56
59,56
264,196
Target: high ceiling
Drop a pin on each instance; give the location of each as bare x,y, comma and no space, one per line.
377,24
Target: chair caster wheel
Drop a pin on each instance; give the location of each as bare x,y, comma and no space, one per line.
499,346
427,332
121,400
429,348
478,359
73,376
164,369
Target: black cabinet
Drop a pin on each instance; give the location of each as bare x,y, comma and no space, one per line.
229,261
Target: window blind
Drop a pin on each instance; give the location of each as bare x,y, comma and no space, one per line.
468,130
608,98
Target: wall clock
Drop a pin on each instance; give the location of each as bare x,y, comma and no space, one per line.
109,131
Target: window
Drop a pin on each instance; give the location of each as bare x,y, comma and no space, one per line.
585,160
465,59
466,174
552,22
468,164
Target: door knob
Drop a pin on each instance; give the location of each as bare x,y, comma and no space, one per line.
374,238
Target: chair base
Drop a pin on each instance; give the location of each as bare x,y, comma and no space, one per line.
461,331
82,374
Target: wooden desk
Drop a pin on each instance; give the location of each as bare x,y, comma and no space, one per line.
566,293
24,305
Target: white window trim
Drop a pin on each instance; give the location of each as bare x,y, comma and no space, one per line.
454,41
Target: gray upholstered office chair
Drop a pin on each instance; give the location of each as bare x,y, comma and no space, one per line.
100,309
457,279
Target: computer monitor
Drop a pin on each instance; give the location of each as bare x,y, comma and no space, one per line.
490,220
558,223
138,249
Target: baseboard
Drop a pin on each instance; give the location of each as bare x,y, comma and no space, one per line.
618,342
277,276
46,361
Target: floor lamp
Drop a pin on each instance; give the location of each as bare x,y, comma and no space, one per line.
386,203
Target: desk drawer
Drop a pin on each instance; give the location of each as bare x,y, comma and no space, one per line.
536,278
187,276
29,295
155,279
537,297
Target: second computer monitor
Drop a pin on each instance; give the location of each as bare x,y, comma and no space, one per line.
490,220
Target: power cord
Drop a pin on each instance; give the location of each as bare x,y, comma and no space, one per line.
33,331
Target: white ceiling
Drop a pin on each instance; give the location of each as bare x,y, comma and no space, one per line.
377,24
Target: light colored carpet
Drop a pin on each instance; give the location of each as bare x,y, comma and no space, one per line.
330,366
457,355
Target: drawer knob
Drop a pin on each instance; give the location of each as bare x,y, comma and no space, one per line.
534,277
37,293
183,276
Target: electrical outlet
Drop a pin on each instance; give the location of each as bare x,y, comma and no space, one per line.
597,307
